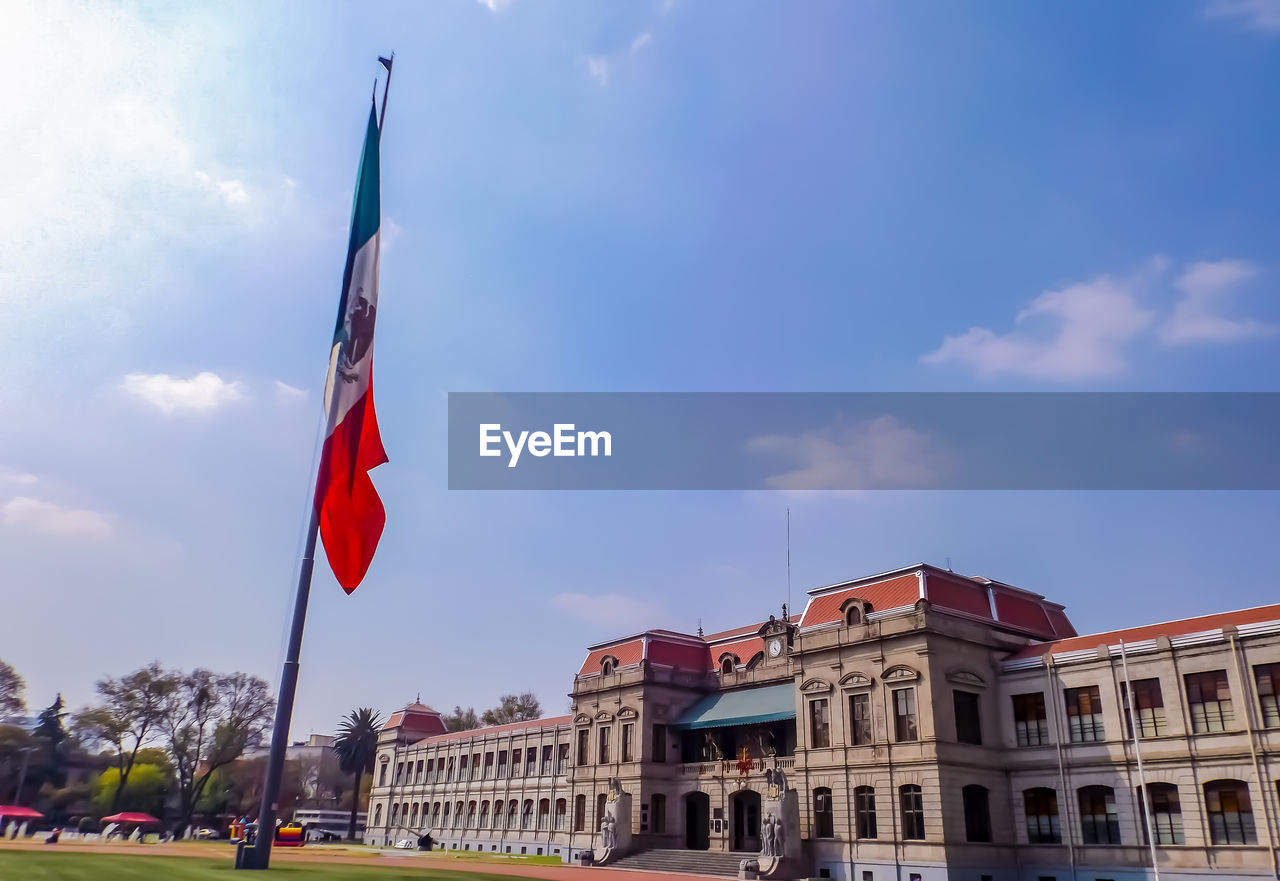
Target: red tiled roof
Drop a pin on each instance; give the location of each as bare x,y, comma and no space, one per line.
890,594
1151,631
548,722
1022,612
680,655
961,595
627,653
416,717
743,630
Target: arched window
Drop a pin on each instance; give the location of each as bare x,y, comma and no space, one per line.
445,824
1099,823
382,772
544,814
1165,815
756,660
853,615
484,815
457,815
413,817
512,808
977,813
911,802
499,819
471,815
395,814
435,816
377,815
1041,806
864,811
726,665
580,813
526,816
562,808
608,665
1230,812
823,819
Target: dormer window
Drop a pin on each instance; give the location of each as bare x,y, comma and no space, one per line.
726,666
608,665
853,616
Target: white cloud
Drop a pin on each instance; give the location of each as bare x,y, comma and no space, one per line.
640,42
879,453
598,69
286,392
1078,332
204,391
16,478
608,610
1194,319
1260,15
494,5
52,519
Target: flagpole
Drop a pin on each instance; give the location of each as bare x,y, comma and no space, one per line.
386,62
259,855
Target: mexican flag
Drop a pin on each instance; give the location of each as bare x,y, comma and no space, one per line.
350,513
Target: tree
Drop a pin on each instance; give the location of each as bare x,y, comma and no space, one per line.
513,708
11,689
356,745
21,760
50,729
128,717
207,722
462,720
147,788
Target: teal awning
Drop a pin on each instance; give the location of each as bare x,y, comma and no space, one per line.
747,707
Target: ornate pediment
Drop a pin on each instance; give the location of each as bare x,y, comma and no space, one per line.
965,677
774,625
900,673
856,680
626,713
582,719
812,686
604,716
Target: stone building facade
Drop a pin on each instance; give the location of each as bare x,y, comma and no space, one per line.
935,726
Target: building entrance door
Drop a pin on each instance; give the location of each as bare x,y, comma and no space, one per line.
746,820
697,821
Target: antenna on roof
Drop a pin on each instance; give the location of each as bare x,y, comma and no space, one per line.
788,562
699,626
949,564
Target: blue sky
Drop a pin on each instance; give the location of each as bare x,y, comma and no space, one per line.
655,196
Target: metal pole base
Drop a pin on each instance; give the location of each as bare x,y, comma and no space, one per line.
250,856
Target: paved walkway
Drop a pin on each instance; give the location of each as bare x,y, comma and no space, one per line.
386,858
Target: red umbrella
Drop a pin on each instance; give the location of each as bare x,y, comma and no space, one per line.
131,818
18,812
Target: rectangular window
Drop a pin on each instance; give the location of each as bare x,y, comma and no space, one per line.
904,714
502,764
1042,816
1267,677
604,745
911,802
1165,816
1230,813
399,772
819,724
1099,822
968,717
382,774
823,816
417,772
584,735
860,718
628,735
864,811
475,766
1084,714
1209,701
531,762
1149,705
659,743
977,813
546,760
1030,724
562,759
451,769
488,765
516,756
462,767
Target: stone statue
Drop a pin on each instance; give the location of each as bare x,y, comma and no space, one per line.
776,782
608,832
779,837
766,837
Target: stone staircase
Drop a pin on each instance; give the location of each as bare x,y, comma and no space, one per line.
685,862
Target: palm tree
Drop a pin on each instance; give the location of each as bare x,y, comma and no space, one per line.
356,746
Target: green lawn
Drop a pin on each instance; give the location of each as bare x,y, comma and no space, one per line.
20,865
